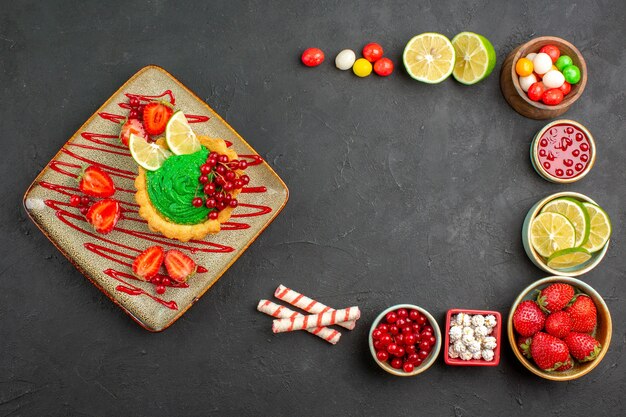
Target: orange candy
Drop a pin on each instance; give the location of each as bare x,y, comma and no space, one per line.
524,67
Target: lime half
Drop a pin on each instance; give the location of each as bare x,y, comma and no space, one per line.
475,57
551,232
568,258
600,228
429,58
179,137
148,155
575,213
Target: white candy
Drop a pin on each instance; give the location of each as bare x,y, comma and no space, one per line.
459,347
525,83
458,319
487,355
542,63
489,330
553,79
474,346
467,339
490,320
452,353
466,356
477,355
480,332
455,333
468,331
467,320
489,342
531,56
478,320
345,59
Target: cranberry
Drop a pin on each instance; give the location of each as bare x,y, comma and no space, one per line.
213,215
197,202
409,339
233,203
383,327
393,329
391,317
423,354
424,345
382,356
75,201
377,334
160,289
400,322
392,348
222,158
402,313
243,165
407,329
396,363
414,314
203,179
385,339
84,201
407,367
245,179
165,281
205,168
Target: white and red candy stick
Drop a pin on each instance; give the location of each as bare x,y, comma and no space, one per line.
307,304
275,310
315,320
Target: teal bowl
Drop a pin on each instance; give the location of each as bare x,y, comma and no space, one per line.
434,353
538,260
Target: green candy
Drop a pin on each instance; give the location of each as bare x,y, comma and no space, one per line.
571,74
563,62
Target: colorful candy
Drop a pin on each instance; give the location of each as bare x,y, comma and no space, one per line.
552,97
563,61
535,91
383,67
553,79
312,57
372,52
542,63
571,74
526,82
524,67
362,67
552,51
345,59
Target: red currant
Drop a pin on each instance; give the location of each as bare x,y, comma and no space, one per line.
156,280
222,158
428,328
212,161
245,179
165,281
221,205
409,339
238,184
205,168
209,189
213,155
392,348
399,339
75,201
399,352
383,327
197,202
407,367
402,313
376,334
221,169
230,175
84,210
400,322
220,181
203,179
419,361
412,358
213,215
84,201
233,203
424,345
133,114
407,329
421,320
396,363
228,186
378,345
391,317
423,354
410,349
382,356
393,329
243,165
211,203
134,102
385,339
160,289
431,340
414,315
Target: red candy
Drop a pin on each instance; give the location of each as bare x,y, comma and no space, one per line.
373,52
565,88
383,67
536,90
552,97
552,51
312,57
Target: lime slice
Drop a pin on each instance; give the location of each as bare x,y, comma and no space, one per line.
179,137
148,155
551,232
475,57
429,57
600,228
568,258
575,213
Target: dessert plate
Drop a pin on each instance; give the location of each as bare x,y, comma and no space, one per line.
106,260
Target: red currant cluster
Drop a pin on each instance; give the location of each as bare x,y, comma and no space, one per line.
218,179
81,202
404,338
136,108
161,282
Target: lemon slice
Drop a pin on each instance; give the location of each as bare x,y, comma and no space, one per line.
475,57
179,137
551,232
600,228
575,213
429,58
148,155
568,258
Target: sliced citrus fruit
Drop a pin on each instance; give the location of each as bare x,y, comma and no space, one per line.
568,258
179,137
148,155
600,228
551,232
575,213
475,57
429,57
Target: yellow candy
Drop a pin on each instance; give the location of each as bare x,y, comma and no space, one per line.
362,67
524,67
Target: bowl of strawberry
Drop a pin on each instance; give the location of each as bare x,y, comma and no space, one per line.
559,328
405,340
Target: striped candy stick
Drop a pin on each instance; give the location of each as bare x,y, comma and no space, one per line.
307,304
275,310
315,320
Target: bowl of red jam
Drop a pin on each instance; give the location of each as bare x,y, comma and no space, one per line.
563,151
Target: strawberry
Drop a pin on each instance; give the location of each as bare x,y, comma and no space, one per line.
555,297
528,318
103,215
559,324
583,314
147,264
549,352
582,346
131,126
95,182
179,266
566,366
523,344
156,114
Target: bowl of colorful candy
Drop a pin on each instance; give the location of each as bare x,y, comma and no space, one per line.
566,233
559,328
405,340
542,78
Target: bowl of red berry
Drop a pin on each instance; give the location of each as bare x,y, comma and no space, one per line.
559,328
472,337
405,340
543,77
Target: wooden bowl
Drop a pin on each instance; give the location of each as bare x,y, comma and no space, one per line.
603,331
538,260
497,333
433,353
518,99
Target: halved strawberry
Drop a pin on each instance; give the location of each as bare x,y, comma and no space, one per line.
131,126
156,114
147,264
95,182
103,215
179,266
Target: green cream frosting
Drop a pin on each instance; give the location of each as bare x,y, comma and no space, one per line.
173,186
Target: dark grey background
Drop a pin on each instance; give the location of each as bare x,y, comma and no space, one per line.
400,192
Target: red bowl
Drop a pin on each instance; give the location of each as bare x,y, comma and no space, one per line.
497,332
